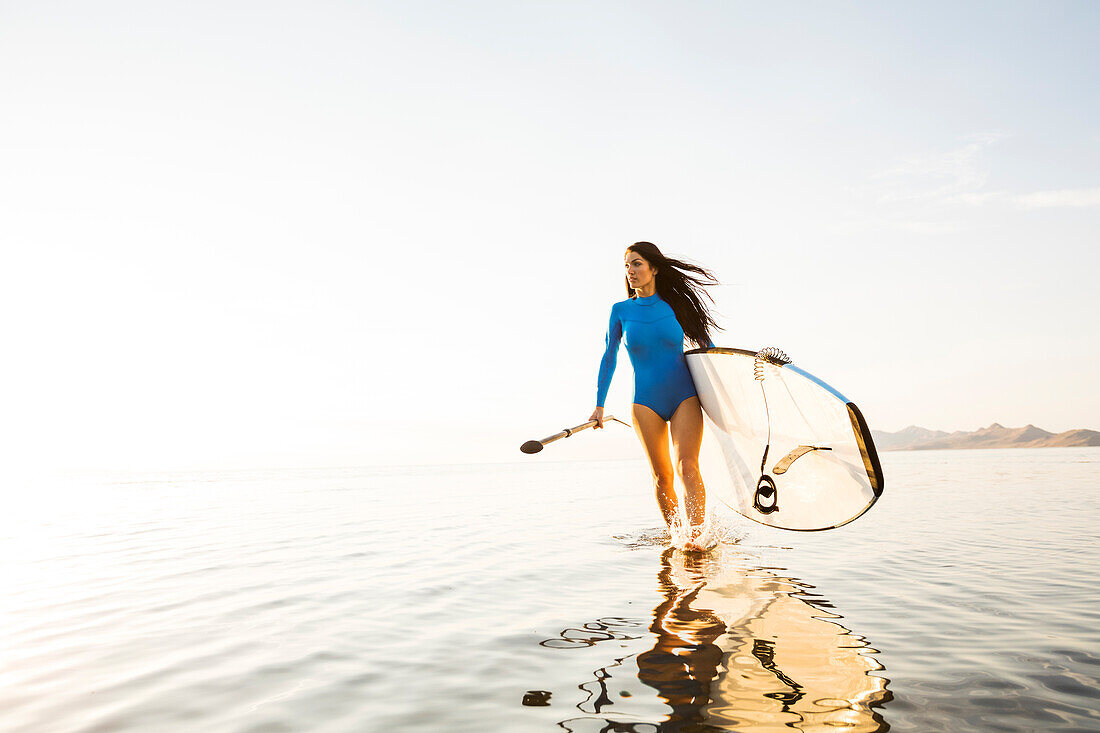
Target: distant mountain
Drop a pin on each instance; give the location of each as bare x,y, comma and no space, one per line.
995,436
906,439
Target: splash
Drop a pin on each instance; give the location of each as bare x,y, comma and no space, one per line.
720,528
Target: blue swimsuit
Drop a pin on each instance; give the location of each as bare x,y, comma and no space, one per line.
655,343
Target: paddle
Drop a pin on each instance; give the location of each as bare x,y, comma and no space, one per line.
534,446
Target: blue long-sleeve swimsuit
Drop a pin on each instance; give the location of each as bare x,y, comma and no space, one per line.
655,344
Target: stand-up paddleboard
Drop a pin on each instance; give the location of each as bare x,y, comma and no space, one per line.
799,454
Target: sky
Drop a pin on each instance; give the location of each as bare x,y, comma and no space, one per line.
244,234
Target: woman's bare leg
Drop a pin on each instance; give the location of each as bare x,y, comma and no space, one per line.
653,434
687,436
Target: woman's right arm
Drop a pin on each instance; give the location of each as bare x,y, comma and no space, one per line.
607,365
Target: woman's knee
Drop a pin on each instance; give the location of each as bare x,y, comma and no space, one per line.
687,466
663,482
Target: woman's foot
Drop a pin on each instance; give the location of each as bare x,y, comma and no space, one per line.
697,540
676,534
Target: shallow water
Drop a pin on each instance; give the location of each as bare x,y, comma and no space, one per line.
542,596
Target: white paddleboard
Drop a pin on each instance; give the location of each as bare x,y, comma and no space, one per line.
797,453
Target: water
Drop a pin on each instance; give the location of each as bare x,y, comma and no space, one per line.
541,596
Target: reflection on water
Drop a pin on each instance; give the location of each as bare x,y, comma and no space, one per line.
731,647
375,600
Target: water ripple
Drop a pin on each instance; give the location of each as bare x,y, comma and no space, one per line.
540,597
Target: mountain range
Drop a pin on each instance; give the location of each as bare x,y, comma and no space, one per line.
995,436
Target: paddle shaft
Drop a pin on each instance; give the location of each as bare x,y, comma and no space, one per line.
534,446
569,431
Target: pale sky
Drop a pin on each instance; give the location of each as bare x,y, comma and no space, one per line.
270,233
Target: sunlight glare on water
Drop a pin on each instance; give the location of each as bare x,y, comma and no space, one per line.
542,596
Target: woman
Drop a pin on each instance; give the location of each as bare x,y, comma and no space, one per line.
664,308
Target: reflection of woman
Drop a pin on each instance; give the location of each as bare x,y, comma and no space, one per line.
665,307
735,646
732,647
684,660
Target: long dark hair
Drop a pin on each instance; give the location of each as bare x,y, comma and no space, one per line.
681,285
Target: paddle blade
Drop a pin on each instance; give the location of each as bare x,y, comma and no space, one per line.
531,446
